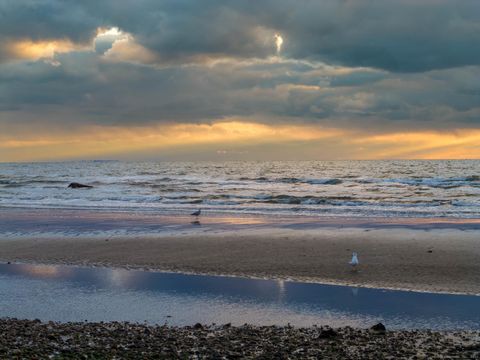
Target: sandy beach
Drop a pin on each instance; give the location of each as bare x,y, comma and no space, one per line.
424,260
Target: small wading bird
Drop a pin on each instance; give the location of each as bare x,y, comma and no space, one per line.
196,213
354,262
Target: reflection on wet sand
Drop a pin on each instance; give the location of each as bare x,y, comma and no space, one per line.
66,293
81,222
42,271
121,278
281,289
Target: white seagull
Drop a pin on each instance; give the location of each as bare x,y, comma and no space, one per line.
354,262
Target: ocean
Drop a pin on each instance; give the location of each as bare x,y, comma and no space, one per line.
420,189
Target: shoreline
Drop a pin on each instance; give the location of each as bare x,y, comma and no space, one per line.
304,280
440,261
21,221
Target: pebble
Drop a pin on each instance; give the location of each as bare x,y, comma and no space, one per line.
33,339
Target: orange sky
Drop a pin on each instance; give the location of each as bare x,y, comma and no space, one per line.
242,139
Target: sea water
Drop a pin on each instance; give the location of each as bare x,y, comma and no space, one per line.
314,188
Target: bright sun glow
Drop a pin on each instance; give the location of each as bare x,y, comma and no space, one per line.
114,31
278,42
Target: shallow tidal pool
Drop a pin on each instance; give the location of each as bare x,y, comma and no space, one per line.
69,293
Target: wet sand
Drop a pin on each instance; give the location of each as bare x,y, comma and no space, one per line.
445,260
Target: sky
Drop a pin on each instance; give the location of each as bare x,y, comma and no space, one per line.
239,79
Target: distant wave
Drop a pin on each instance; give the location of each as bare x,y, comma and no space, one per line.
444,183
324,181
26,183
399,188
293,180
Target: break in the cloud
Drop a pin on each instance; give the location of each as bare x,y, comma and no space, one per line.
359,70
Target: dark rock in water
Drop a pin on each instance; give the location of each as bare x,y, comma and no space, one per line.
75,185
327,334
198,326
379,328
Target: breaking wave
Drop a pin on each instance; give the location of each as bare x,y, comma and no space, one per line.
383,188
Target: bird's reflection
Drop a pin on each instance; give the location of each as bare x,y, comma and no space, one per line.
122,278
281,289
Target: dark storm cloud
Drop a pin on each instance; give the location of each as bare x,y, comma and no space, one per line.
404,36
85,89
46,19
40,20
364,64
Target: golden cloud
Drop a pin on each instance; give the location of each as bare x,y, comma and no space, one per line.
34,50
311,141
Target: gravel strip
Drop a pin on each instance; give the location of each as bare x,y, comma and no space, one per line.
33,339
